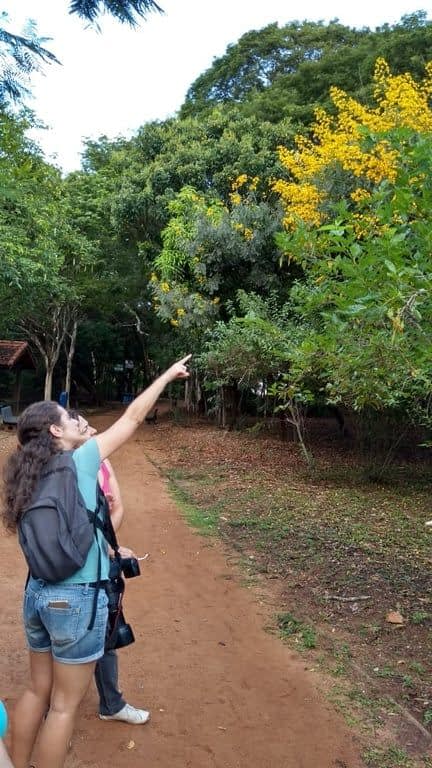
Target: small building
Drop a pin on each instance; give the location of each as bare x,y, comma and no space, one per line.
15,357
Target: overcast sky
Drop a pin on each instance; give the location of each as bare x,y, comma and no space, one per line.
112,82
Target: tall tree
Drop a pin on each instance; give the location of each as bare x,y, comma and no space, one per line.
44,257
207,154
365,304
288,71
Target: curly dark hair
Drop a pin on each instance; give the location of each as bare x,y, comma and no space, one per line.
36,445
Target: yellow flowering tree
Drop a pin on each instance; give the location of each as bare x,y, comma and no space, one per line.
358,219
355,147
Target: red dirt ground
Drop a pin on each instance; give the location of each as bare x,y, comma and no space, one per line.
223,692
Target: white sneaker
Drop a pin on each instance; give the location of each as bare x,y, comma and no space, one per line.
129,714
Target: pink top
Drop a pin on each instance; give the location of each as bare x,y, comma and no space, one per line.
105,484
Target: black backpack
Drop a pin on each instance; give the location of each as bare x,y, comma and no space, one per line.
56,530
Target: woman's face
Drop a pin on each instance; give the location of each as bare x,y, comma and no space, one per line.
67,432
85,430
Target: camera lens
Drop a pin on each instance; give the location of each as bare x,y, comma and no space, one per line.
125,636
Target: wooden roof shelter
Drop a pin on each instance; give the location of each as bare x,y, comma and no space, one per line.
16,356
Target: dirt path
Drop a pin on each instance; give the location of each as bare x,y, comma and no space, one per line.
223,692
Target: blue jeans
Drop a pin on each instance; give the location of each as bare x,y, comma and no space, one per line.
56,619
111,700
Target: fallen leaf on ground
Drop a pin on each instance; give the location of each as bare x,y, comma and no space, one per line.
394,617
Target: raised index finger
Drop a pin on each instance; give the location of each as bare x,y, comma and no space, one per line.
185,359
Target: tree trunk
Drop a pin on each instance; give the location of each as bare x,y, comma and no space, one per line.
47,334
48,381
17,390
229,406
70,352
187,395
296,418
142,335
194,398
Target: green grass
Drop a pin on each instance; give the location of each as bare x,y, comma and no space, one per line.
392,757
385,671
377,521
204,520
427,717
417,667
420,617
289,626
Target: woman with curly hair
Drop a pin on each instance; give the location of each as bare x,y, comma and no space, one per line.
63,650
112,705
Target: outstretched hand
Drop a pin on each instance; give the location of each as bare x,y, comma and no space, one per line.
179,370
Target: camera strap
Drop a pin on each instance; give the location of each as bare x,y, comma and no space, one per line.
101,520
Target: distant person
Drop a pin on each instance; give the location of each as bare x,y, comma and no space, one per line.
63,649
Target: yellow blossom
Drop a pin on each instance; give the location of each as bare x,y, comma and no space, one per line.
360,194
240,181
235,198
339,141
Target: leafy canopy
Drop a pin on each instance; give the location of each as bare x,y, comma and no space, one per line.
364,244
288,71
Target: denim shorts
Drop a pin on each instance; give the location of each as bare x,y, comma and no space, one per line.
56,619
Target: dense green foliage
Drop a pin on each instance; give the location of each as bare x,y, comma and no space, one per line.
288,71
181,238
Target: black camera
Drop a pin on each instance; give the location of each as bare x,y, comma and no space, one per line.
130,567
119,632
124,566
123,634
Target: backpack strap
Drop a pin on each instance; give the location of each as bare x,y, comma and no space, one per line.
101,521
